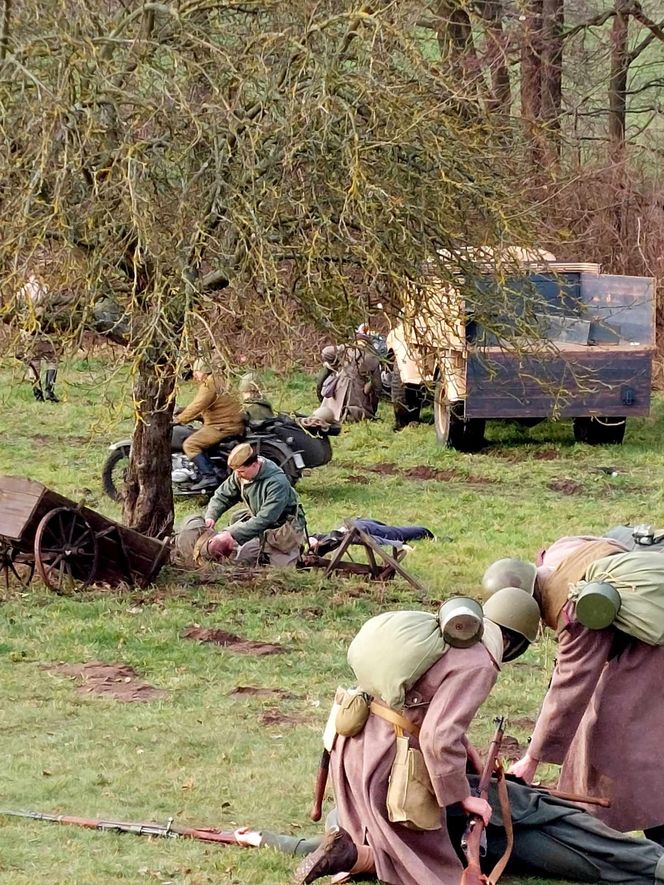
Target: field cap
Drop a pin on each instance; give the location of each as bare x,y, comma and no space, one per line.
240,455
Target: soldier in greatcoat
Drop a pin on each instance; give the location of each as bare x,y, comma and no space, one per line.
603,716
352,390
439,708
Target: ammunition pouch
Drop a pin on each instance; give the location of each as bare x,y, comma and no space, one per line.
411,800
353,712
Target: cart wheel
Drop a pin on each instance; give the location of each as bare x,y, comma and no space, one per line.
65,549
15,565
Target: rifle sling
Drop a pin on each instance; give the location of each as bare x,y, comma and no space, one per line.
506,812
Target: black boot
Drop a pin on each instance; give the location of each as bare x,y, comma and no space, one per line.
208,477
336,854
49,384
37,392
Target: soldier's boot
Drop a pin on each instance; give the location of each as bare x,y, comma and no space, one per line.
49,386
337,853
209,478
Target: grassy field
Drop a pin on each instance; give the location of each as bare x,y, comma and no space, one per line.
200,753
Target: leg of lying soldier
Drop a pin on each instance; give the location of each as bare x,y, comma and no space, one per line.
557,838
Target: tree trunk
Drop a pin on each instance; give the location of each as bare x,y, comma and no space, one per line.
501,95
553,18
531,74
618,81
457,48
148,505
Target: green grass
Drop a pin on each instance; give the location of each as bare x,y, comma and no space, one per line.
198,754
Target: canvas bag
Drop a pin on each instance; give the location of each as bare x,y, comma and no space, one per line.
411,800
392,650
638,576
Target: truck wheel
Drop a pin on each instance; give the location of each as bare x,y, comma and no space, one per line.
452,429
406,401
275,454
599,431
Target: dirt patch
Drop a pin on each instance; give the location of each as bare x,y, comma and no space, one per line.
232,642
523,722
358,479
426,472
546,455
566,486
276,717
510,749
243,691
39,440
118,681
387,469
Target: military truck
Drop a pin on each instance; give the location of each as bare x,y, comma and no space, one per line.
589,357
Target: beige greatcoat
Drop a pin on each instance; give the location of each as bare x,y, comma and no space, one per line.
442,702
603,720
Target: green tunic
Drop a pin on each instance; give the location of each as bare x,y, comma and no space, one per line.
269,497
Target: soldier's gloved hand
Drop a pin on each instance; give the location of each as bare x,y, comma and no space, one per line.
478,806
222,545
525,768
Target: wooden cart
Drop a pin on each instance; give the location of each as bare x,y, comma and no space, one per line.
68,543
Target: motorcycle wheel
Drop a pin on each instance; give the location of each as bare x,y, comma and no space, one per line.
273,453
114,474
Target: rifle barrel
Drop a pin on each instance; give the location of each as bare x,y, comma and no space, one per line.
201,834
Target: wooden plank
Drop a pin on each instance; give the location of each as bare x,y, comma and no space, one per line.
509,386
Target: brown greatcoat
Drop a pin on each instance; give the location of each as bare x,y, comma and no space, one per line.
357,383
442,702
603,720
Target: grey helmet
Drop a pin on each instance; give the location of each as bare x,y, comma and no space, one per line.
518,615
509,573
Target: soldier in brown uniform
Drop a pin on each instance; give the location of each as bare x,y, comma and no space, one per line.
438,709
603,716
222,417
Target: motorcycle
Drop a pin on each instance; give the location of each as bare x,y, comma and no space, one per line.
282,439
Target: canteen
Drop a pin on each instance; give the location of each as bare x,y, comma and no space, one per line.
461,621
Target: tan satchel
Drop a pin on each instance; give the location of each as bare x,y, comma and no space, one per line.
285,538
411,800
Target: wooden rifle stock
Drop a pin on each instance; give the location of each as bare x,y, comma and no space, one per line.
472,838
319,789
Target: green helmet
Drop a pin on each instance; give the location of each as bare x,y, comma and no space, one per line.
509,573
518,615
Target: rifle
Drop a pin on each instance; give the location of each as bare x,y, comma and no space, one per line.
319,789
473,841
168,830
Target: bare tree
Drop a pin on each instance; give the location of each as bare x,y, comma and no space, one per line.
166,157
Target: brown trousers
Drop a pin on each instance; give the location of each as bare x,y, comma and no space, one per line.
201,440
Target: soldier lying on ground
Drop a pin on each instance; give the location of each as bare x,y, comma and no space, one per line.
603,716
552,838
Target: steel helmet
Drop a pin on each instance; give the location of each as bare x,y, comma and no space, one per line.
518,615
509,573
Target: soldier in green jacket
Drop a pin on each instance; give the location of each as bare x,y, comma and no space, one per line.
271,528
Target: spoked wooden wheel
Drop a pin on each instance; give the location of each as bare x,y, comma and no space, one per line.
65,549
15,565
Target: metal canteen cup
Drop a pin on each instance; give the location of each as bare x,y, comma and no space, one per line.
461,621
597,605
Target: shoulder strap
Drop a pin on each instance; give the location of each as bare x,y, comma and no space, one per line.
390,715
